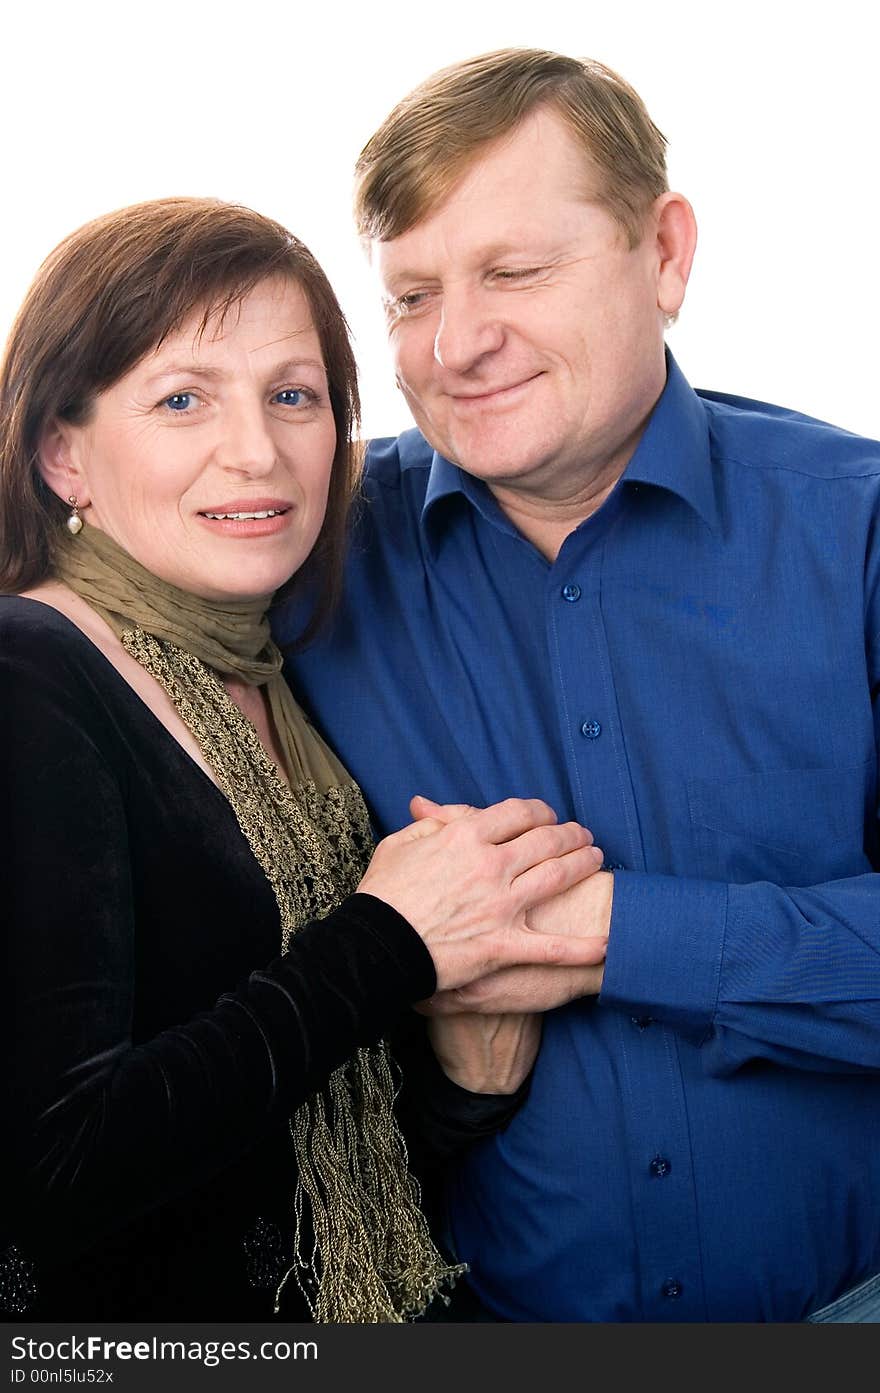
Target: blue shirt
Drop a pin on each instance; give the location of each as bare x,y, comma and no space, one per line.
695,678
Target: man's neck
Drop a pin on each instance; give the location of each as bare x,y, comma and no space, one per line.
547,522
546,518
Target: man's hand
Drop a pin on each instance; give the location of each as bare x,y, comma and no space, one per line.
516,990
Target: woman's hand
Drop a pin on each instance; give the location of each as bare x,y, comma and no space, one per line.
467,884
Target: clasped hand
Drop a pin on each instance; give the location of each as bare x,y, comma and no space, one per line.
474,882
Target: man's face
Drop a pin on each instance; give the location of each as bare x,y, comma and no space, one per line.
527,335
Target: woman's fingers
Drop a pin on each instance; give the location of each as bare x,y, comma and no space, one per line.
421,807
414,831
500,822
545,843
545,879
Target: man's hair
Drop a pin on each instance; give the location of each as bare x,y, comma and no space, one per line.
422,149
108,295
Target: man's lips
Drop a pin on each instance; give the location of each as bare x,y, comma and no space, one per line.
494,395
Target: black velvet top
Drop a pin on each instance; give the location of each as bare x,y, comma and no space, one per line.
156,1043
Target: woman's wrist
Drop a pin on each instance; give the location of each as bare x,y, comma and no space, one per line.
486,1054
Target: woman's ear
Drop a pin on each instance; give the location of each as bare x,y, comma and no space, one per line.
58,463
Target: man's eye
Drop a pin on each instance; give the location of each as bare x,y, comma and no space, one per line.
179,401
408,304
515,273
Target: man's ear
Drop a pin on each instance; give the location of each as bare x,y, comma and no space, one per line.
57,460
676,233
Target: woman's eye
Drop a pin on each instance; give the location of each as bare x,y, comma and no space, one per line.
294,396
179,401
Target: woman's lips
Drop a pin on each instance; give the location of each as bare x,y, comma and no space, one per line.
260,517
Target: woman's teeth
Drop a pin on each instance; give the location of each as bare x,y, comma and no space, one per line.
269,513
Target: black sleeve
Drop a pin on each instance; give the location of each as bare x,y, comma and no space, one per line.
102,1128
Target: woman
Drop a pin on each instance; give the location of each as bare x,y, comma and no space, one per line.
201,962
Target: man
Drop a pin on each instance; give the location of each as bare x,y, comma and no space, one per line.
659,610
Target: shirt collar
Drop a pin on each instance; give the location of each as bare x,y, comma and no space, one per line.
673,454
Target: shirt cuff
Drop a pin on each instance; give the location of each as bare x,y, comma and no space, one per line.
665,947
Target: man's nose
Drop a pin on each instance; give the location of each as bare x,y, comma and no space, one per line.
247,444
469,329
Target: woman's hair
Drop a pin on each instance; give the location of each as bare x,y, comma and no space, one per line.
421,150
111,293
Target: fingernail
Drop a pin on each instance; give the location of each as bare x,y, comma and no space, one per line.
598,853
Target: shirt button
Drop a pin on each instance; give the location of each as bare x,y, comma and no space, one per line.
571,592
672,1289
591,729
642,1022
613,866
660,1166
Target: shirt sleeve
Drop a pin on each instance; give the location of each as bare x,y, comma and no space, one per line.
758,971
102,1127
752,971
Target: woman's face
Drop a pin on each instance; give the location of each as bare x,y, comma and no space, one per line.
209,462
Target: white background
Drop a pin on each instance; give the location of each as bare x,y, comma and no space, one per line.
770,110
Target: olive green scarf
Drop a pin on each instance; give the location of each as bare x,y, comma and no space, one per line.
371,1257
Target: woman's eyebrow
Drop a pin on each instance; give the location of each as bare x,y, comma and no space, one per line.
194,368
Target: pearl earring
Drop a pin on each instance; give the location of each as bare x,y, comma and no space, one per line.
74,522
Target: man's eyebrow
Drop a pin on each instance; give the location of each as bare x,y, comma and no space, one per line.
397,280
531,252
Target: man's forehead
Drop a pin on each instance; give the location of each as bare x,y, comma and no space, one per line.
489,201
508,238
400,261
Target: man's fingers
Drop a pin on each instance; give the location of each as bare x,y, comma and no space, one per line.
551,950
490,953
458,1000
517,990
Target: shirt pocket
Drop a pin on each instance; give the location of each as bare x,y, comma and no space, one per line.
789,826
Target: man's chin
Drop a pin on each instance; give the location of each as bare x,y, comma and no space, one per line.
497,460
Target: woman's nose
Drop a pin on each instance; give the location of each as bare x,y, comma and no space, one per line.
247,444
